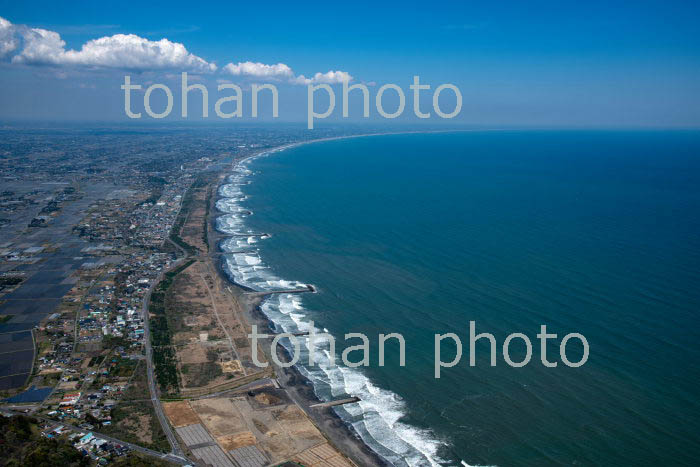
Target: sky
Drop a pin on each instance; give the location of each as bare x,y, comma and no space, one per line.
536,63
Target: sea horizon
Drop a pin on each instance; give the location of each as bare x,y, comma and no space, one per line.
445,235
246,198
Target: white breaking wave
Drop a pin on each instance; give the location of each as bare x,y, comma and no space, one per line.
377,417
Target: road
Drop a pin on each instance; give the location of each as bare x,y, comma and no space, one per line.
135,447
261,383
221,323
176,451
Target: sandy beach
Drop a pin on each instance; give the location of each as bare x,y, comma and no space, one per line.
299,389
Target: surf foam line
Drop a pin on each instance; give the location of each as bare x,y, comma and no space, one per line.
376,418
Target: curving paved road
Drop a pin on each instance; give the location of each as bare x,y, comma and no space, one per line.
176,451
171,457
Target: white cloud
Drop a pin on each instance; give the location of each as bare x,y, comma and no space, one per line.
132,51
126,51
40,47
283,71
34,46
259,70
330,77
8,41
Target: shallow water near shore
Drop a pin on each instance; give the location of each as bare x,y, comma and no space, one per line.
589,232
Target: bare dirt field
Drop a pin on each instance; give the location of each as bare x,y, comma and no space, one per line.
210,338
321,456
180,413
219,416
230,442
280,430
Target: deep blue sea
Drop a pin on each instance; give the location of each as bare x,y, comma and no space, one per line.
596,233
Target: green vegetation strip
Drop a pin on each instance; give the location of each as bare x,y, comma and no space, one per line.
187,204
164,358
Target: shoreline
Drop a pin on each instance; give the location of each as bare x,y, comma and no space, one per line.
339,433
299,388
359,135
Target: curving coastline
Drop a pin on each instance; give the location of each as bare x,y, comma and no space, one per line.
373,426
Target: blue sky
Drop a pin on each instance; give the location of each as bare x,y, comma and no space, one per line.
516,63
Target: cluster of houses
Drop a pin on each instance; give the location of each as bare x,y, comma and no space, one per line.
111,311
108,312
100,450
90,406
131,221
150,223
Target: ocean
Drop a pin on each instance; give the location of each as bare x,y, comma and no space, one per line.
589,232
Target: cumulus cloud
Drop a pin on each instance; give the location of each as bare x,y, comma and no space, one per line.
283,71
40,47
259,70
8,41
34,46
132,51
330,77
125,51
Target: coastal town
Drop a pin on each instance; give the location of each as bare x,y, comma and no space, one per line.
367,234
119,334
